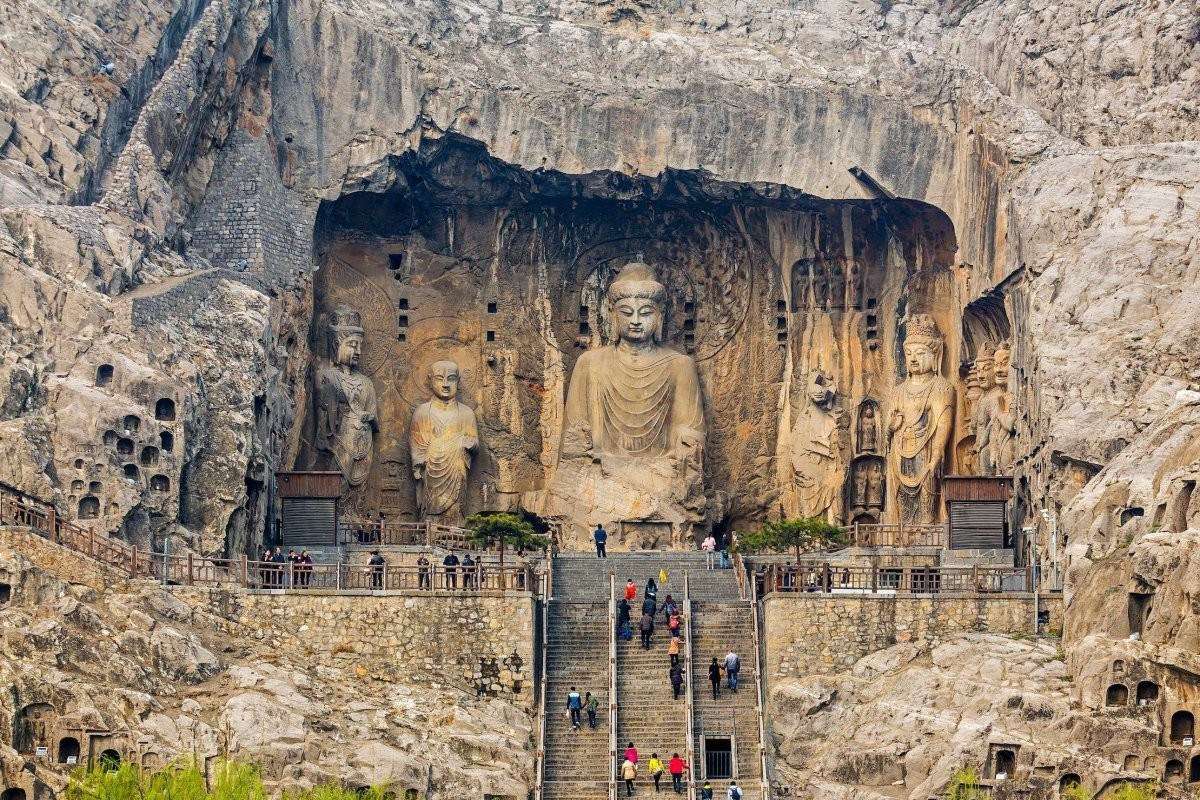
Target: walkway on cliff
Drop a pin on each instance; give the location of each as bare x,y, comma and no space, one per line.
578,765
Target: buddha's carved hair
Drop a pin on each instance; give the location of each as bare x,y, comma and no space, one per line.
636,279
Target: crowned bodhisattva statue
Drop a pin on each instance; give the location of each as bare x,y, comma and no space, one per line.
442,440
633,428
346,409
919,427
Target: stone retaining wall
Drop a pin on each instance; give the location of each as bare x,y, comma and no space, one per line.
809,634
480,643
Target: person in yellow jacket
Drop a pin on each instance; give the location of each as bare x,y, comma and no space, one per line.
628,774
656,769
662,576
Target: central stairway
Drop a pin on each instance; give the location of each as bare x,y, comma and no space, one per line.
578,765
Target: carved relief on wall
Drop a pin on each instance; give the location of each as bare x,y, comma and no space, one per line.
867,433
920,422
633,428
442,439
816,473
966,447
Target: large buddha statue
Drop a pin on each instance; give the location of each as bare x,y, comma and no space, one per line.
442,440
633,426
345,426
919,427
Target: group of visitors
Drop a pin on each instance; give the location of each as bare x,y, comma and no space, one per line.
731,666
468,568
717,555
676,767
589,703
275,570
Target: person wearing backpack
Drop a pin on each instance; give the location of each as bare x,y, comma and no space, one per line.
676,681
591,704
647,629
734,792
706,791
628,774
574,706
656,769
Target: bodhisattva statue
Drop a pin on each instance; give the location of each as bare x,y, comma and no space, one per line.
1002,438
967,446
632,446
919,427
635,397
346,409
443,438
816,476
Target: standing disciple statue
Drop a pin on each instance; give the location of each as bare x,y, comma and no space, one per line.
346,409
442,438
634,397
919,426
1003,436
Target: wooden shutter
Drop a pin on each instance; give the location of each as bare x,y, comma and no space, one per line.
977,525
309,521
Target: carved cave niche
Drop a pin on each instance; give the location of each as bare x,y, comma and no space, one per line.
504,271
13,794
866,489
32,727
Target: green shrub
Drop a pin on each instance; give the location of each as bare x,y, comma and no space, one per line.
964,785
185,781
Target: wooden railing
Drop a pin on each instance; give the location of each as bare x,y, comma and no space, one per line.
193,570
826,578
897,535
419,534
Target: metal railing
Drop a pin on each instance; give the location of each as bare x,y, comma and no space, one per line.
690,742
613,766
760,696
547,589
823,577
195,570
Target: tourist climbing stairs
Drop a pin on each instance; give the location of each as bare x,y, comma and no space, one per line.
728,724
645,712
576,762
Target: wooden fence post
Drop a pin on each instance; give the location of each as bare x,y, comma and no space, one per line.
245,570
827,578
191,571
132,562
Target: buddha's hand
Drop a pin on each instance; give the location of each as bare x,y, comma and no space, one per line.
895,422
577,441
418,471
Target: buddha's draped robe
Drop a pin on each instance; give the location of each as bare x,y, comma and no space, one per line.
636,403
440,439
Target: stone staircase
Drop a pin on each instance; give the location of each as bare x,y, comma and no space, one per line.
577,763
716,627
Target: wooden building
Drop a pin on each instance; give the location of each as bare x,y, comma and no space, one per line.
309,502
978,510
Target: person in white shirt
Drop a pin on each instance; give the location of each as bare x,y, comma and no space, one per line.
733,666
734,792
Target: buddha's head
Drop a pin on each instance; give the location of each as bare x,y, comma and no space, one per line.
1000,365
922,345
821,390
345,336
443,380
636,302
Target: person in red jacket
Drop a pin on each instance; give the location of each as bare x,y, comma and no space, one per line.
631,753
677,768
630,590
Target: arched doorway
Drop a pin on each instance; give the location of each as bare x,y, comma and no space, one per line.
68,750
1183,726
109,760
1173,771
1068,781
1194,770
13,794
1006,763
1147,692
1117,695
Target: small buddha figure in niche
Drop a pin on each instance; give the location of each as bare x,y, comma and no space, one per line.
816,476
442,440
635,397
346,409
919,427
868,430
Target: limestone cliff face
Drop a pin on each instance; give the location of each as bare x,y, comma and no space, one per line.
237,148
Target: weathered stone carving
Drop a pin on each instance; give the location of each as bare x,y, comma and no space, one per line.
442,439
633,431
346,408
919,427
966,447
868,427
994,421
816,474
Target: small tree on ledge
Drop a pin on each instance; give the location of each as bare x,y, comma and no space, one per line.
804,535
501,529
